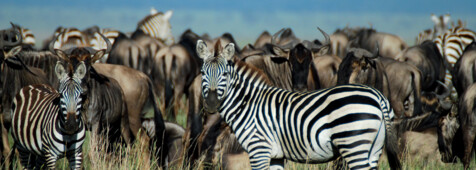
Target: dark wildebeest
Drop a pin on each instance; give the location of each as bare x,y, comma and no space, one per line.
428,60
464,71
457,130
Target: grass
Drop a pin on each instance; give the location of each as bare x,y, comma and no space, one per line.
131,158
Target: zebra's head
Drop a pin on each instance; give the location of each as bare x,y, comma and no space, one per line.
71,90
157,25
73,74
216,74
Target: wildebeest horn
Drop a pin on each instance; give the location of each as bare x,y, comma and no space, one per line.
275,35
441,97
108,43
326,36
52,47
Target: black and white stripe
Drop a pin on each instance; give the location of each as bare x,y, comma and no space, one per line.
47,125
157,26
273,124
451,45
69,38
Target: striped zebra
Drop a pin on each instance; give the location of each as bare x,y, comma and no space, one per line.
98,42
157,25
68,38
273,124
47,124
441,26
451,45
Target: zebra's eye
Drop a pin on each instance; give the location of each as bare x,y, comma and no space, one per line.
225,74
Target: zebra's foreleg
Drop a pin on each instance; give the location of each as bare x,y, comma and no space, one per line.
260,159
75,160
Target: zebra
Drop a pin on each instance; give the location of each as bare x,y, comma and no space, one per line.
451,45
68,38
98,43
157,25
47,124
272,124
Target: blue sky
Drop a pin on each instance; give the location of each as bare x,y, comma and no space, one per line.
245,19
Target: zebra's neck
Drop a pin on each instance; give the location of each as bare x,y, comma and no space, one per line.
246,84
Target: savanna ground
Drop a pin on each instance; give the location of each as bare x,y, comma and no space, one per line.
130,158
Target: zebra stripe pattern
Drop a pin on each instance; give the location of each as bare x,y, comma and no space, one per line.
69,38
157,26
28,37
98,43
273,124
47,125
451,46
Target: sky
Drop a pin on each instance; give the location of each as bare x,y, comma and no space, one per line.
244,19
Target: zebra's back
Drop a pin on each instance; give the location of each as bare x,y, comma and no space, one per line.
34,107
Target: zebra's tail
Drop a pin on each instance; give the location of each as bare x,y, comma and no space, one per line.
391,137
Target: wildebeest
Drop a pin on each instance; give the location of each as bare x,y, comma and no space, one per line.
428,60
127,52
363,67
457,130
288,68
464,71
389,45
325,69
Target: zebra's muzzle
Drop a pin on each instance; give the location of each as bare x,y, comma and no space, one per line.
71,123
211,102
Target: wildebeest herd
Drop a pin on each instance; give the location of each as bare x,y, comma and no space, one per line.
350,95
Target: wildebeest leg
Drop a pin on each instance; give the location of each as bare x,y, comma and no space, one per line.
178,94
4,146
468,139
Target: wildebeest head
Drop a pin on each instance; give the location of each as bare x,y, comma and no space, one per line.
10,42
300,59
447,129
73,74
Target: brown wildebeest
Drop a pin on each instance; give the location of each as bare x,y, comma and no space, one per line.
263,39
389,45
326,68
140,100
405,88
363,67
339,42
126,51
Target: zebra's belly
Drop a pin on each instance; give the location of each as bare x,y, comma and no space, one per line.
314,154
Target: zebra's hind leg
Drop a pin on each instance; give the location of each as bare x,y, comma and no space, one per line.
27,159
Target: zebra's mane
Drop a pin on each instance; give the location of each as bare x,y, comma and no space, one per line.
249,69
148,18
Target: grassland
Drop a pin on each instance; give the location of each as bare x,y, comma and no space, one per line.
130,158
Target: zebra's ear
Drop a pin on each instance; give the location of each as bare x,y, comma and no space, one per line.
59,70
80,71
229,51
168,15
446,19
435,19
202,50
